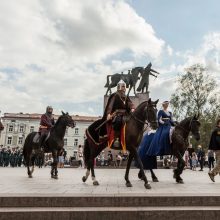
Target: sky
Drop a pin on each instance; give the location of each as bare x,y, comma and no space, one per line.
59,53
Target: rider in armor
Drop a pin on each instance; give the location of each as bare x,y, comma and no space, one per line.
46,123
118,105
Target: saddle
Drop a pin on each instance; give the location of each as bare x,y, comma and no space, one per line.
37,136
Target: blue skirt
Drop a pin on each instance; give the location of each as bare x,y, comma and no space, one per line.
149,162
160,144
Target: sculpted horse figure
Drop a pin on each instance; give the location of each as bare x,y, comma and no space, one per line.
130,79
179,144
53,144
134,129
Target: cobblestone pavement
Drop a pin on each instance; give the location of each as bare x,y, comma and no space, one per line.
15,181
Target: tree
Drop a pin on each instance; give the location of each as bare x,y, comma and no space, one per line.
196,94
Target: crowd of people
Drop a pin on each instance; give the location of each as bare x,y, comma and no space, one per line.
199,158
12,157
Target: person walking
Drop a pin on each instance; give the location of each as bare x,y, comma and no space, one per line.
190,150
215,145
201,157
211,159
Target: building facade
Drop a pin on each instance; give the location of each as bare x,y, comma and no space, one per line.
18,125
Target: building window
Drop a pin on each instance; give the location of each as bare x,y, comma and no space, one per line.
21,129
20,140
76,130
75,142
10,129
32,129
65,141
9,141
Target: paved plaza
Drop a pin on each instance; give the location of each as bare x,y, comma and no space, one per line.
15,181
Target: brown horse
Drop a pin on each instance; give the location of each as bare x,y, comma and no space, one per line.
146,111
180,143
54,144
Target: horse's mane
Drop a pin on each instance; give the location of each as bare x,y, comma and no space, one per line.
58,120
139,106
185,120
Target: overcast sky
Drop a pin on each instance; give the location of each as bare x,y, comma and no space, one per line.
59,53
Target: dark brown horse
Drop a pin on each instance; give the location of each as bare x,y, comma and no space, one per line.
180,143
146,111
54,144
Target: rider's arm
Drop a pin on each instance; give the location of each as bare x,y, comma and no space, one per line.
110,107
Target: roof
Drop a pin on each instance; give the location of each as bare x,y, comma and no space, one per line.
37,116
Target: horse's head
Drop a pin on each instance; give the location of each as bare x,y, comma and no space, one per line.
151,112
147,111
67,119
194,127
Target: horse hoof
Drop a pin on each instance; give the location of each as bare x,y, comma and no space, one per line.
54,177
96,183
147,186
128,184
155,180
30,176
84,179
180,181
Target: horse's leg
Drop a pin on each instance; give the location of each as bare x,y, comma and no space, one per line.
54,171
95,182
32,163
180,166
129,90
130,158
28,163
153,176
146,184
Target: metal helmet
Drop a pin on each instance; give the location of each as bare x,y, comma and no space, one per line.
48,108
121,84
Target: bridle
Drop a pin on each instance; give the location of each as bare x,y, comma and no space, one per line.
146,121
190,125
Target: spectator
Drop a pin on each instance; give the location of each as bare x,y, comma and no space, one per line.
201,157
80,156
186,158
215,145
190,150
194,161
110,157
118,159
61,159
102,157
211,159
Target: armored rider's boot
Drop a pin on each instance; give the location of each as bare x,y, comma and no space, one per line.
41,142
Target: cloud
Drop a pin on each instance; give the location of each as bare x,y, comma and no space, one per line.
59,50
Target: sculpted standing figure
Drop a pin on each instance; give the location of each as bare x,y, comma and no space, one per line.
144,83
118,105
46,123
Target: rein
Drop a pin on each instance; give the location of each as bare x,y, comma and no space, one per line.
190,126
139,120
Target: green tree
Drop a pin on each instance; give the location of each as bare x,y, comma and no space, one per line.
196,94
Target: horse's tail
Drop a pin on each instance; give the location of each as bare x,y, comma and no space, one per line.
107,83
86,152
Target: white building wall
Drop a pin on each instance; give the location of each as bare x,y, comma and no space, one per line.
33,120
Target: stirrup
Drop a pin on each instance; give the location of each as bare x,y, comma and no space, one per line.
116,143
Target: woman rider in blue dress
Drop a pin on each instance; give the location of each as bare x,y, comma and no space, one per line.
160,144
